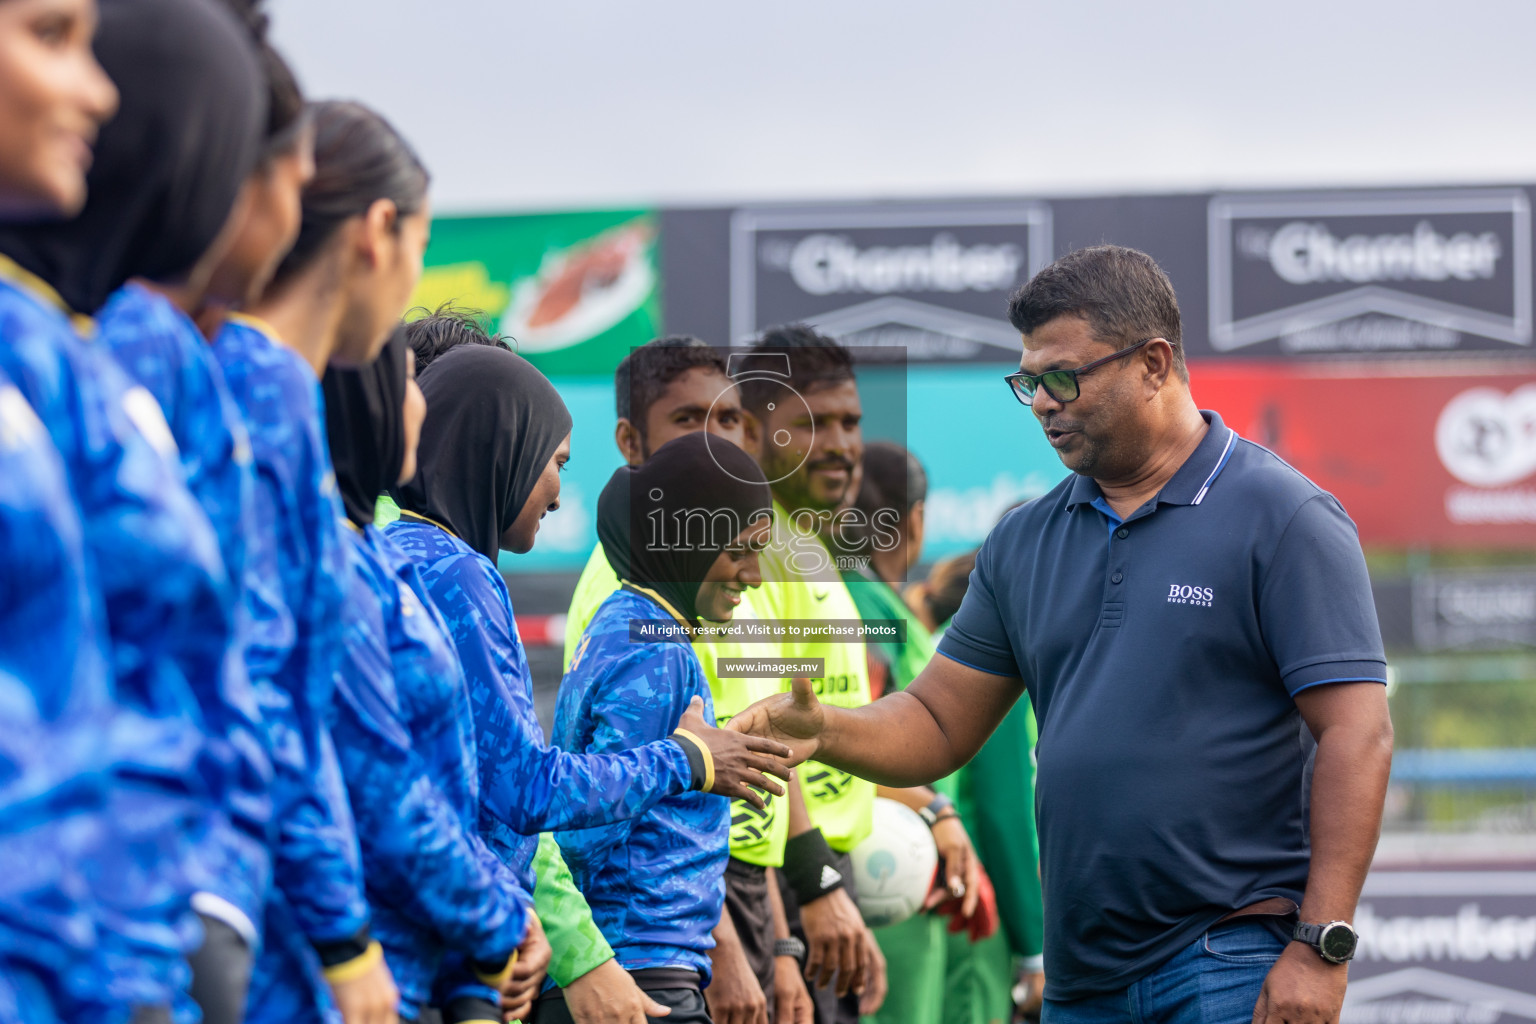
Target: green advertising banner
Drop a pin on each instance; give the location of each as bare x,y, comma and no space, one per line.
574,291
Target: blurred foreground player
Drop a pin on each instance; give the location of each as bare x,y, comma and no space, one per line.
56,700
1183,610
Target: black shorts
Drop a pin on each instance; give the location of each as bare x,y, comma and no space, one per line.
746,899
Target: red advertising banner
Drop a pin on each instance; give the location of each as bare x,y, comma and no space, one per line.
1418,454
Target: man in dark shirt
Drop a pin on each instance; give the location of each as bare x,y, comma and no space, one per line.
1192,619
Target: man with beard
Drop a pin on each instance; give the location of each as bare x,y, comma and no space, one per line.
800,387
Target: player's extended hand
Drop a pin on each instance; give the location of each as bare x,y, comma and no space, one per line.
608,995
369,998
834,942
876,985
743,763
523,984
794,718
961,867
734,995
1302,988
791,999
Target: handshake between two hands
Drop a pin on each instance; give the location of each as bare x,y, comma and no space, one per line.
760,744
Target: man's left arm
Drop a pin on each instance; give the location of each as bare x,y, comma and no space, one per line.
1349,784
1319,622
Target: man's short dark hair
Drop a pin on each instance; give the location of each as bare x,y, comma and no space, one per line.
643,375
815,360
446,328
1122,293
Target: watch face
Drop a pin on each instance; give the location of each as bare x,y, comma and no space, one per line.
1337,942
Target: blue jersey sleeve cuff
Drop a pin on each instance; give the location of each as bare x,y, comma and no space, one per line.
955,649
1322,673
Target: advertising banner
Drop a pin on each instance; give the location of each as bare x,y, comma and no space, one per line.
1444,947
932,279
1474,609
1424,458
575,291
1369,272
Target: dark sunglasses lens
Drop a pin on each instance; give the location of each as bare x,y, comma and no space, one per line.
1062,384
1023,388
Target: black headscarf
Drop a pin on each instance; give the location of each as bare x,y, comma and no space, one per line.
364,418
697,473
169,166
493,423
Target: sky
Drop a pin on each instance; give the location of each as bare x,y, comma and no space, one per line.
611,103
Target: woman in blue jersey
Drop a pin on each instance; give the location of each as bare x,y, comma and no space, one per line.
155,557
403,726
492,446
206,85
335,298
656,881
56,698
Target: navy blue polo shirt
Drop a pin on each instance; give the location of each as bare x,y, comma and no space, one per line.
1163,654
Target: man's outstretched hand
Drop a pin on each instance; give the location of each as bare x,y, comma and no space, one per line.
743,763
795,719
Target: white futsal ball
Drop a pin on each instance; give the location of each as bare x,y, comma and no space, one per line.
893,867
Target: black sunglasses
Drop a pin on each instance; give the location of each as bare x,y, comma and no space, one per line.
1061,384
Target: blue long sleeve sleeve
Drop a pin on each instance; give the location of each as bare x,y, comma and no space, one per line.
162,350
526,786
156,567
55,708
296,576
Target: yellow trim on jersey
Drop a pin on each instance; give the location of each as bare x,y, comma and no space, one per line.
406,513
255,323
45,293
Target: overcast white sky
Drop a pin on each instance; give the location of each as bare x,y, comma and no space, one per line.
563,104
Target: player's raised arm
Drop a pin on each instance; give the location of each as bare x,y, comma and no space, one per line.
904,739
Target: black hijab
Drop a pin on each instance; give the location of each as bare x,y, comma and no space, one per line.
493,423
169,166
364,418
697,473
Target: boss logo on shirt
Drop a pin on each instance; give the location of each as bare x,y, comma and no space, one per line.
1200,596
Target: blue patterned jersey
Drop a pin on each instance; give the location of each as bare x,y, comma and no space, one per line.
656,883
406,738
56,706
295,599
525,786
156,564
161,348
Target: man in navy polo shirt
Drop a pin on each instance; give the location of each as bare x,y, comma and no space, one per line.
1193,621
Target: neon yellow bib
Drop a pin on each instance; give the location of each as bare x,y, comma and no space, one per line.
801,581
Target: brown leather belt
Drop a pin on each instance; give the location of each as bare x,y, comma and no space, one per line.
1277,906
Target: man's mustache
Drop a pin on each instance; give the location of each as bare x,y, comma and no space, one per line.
831,462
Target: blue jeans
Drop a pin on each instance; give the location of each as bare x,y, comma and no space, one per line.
1214,980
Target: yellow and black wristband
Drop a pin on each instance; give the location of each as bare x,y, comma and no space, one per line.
699,759
493,975
351,970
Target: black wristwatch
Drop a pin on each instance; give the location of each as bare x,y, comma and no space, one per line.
935,810
789,947
1335,941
